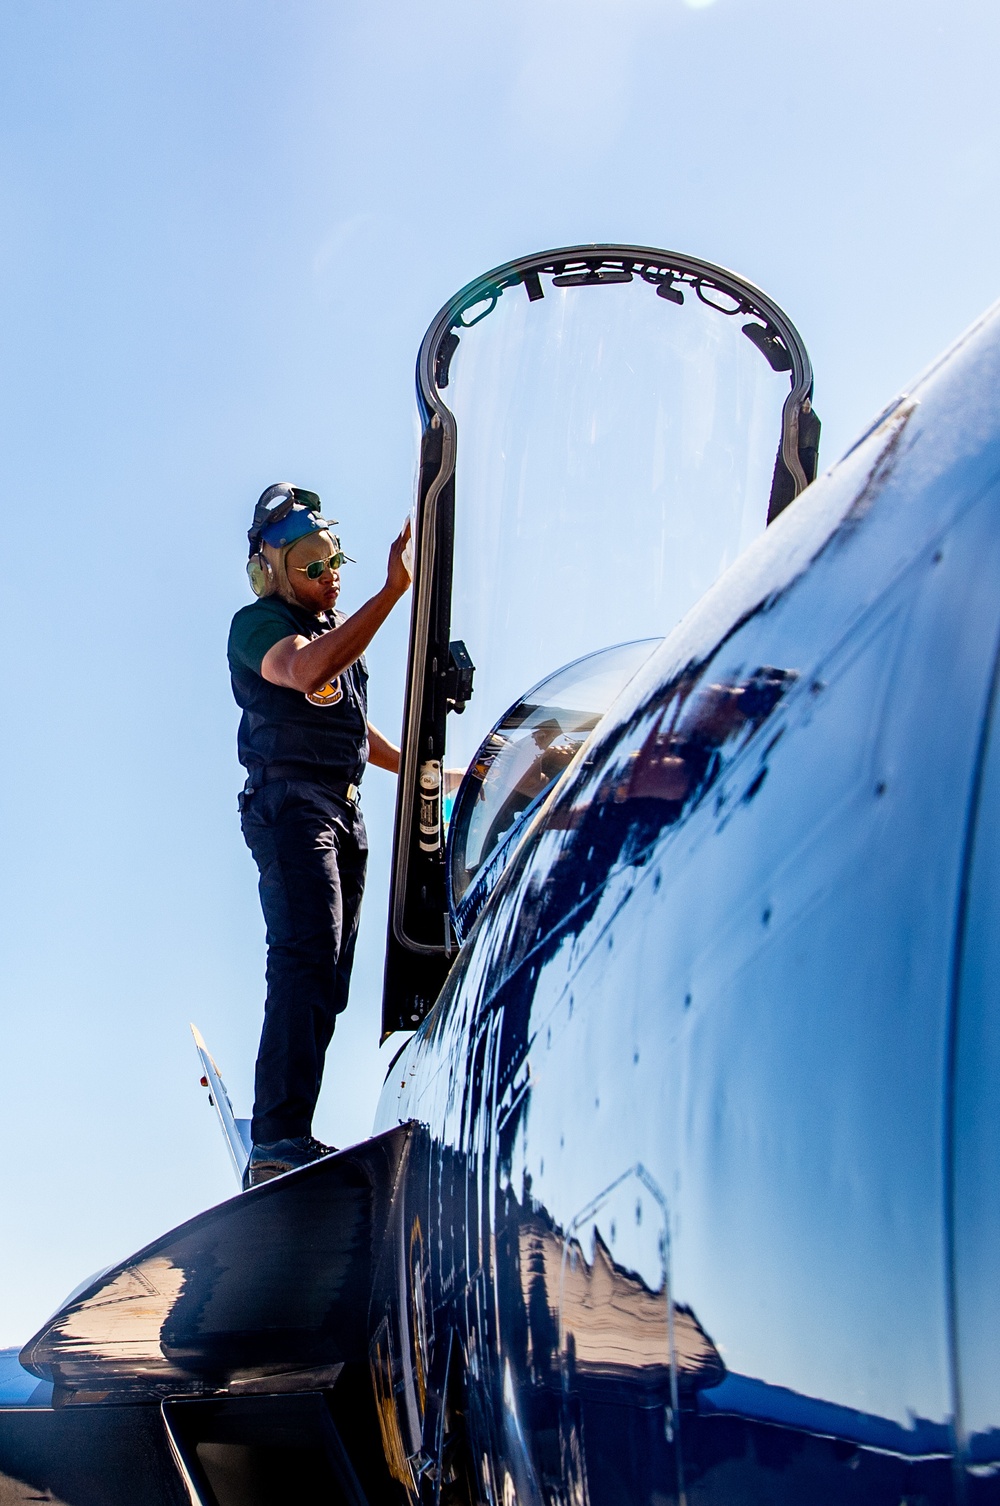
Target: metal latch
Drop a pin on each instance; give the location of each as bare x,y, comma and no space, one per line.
460,672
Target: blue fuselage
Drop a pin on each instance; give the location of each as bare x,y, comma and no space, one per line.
682,1203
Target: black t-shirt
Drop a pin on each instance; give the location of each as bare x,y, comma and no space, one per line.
327,729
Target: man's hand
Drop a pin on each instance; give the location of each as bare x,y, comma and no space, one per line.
398,577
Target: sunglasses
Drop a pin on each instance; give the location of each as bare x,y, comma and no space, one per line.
315,568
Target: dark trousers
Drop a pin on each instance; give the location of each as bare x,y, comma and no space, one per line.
311,850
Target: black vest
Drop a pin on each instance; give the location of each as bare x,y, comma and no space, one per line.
326,730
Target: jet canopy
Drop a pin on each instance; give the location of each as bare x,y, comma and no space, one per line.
605,428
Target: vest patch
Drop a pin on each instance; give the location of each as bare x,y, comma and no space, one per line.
327,695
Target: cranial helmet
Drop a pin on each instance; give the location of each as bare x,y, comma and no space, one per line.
283,515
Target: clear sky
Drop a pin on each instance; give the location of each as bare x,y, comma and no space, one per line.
225,225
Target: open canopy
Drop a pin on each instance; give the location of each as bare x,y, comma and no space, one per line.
605,428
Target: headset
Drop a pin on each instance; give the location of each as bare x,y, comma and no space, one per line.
260,573
274,505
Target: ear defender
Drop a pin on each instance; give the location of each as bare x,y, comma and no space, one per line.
261,575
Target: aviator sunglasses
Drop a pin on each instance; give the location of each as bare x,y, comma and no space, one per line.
315,568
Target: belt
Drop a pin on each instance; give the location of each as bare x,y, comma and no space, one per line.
311,774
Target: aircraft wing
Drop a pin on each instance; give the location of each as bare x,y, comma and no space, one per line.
275,1282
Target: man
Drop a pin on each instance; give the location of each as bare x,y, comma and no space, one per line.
299,675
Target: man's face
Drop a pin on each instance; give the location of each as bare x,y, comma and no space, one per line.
318,595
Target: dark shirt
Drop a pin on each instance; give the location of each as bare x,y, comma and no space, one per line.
326,729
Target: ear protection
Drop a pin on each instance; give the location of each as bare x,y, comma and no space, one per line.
261,576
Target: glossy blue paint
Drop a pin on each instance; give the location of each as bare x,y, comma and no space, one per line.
18,1387
976,1187
683,1098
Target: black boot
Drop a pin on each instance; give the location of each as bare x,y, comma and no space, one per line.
274,1159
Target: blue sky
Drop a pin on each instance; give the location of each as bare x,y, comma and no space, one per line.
224,229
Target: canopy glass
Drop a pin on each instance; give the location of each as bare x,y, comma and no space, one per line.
518,762
615,453
604,430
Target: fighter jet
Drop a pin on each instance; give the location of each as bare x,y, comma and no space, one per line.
683,1187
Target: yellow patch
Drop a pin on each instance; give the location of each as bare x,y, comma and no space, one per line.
327,695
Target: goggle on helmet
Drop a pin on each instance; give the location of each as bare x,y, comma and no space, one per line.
293,506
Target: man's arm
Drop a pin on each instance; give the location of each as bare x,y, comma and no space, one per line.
302,664
381,752
385,755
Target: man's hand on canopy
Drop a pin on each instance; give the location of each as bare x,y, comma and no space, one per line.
399,576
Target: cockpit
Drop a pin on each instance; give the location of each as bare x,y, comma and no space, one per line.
517,764
604,430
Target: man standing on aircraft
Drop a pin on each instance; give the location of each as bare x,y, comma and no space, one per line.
299,676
